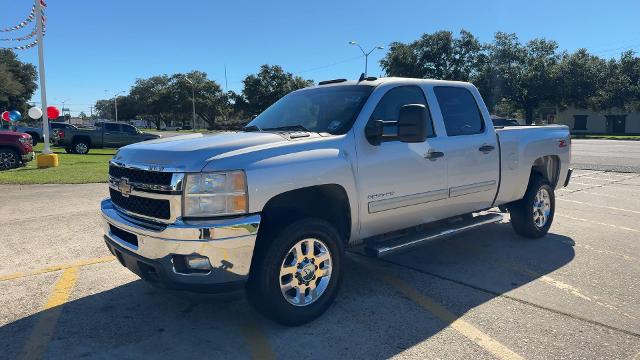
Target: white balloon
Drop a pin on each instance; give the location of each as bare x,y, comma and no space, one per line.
35,113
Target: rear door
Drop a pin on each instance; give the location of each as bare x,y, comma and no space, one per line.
472,150
112,135
399,186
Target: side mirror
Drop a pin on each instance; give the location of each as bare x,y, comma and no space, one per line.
411,126
412,123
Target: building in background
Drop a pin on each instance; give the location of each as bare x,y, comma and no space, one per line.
587,121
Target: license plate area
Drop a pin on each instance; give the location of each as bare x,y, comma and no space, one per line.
124,235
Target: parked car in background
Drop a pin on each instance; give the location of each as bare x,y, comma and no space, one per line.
36,132
57,128
16,149
383,163
501,121
103,135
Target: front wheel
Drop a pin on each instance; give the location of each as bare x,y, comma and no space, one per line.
296,277
8,159
532,215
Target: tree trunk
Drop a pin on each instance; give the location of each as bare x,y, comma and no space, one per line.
528,115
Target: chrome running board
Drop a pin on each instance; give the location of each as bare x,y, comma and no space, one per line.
397,244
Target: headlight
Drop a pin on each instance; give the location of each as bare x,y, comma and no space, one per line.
215,194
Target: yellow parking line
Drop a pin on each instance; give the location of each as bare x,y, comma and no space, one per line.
599,206
259,346
598,223
43,331
56,268
466,329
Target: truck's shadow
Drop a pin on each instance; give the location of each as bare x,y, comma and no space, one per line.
370,319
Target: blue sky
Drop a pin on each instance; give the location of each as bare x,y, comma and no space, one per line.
92,46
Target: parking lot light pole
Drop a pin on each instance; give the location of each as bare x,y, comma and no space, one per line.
115,103
366,54
193,102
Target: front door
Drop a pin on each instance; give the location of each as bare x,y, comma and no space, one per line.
472,151
399,187
616,124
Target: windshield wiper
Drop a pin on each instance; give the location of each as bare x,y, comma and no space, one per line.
251,128
290,127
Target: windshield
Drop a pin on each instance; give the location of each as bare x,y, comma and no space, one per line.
325,110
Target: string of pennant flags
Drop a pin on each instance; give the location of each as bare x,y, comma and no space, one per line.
22,24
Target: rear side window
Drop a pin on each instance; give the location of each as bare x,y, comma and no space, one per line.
460,111
389,106
129,129
111,127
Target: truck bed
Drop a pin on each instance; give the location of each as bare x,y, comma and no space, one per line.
520,147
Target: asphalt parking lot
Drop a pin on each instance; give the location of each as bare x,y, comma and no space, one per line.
574,294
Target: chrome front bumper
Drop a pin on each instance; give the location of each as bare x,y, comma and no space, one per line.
228,243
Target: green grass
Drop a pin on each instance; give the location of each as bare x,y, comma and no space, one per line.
606,137
72,169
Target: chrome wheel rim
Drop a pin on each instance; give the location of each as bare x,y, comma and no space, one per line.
8,160
541,208
81,148
305,272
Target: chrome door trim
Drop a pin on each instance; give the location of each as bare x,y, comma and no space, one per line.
407,200
472,188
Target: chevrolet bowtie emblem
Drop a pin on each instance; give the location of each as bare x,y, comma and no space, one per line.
124,187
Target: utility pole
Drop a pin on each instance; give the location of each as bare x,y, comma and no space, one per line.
226,84
115,103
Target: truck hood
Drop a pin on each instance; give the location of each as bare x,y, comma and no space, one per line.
190,153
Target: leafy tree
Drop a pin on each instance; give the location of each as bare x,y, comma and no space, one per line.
82,115
436,56
524,75
620,87
268,86
211,101
580,77
17,81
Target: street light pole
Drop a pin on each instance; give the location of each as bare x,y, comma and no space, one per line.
115,103
193,102
366,54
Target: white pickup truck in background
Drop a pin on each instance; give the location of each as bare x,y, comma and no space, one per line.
384,164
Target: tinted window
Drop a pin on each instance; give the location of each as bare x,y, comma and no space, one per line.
459,111
111,127
129,129
579,122
389,106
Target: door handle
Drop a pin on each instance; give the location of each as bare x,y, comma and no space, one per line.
433,155
486,148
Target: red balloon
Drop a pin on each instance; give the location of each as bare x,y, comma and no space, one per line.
5,116
52,112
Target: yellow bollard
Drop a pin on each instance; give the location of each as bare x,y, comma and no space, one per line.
47,160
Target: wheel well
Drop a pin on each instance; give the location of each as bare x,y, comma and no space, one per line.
328,202
5,147
34,135
79,138
548,167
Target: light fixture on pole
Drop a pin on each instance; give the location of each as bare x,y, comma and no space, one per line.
193,102
115,103
366,54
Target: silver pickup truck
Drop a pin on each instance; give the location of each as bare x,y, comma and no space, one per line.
379,164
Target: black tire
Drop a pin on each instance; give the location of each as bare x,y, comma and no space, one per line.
523,212
264,286
9,159
81,147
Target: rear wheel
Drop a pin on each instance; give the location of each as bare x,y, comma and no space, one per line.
8,159
532,216
296,277
81,147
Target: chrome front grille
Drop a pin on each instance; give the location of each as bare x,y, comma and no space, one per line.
147,194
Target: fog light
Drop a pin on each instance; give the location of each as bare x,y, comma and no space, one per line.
197,262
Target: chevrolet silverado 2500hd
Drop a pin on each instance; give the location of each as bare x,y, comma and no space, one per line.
380,163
